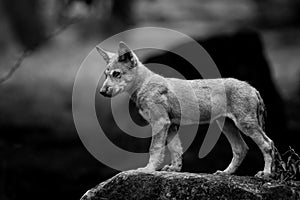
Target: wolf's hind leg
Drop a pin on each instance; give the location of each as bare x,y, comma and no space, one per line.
238,145
174,145
264,143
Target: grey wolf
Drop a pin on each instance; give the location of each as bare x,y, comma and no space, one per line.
161,101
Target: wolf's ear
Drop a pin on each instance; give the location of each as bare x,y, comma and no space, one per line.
105,54
126,54
123,48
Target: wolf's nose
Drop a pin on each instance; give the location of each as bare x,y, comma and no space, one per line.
103,91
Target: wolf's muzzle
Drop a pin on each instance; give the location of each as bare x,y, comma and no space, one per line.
105,92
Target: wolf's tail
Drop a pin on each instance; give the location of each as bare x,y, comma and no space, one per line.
261,111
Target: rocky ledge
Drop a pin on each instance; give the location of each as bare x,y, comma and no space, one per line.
133,185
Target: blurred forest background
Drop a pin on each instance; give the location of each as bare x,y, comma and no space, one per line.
41,155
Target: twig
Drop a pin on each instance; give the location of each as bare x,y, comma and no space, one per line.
28,52
287,165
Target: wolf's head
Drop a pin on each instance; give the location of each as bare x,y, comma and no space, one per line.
120,71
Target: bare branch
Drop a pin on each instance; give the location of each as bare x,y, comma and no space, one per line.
28,52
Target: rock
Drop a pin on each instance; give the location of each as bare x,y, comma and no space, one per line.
172,185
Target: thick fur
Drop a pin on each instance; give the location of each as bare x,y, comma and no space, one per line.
167,103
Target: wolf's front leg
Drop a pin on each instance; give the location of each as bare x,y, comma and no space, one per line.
174,145
157,147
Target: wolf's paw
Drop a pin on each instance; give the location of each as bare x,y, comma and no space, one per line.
171,168
145,169
220,172
264,175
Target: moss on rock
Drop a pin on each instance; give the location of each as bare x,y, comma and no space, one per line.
171,185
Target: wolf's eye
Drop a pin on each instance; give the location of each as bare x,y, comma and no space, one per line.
125,57
116,74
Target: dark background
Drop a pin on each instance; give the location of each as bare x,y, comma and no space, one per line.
41,155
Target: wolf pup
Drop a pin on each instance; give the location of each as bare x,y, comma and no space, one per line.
159,100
